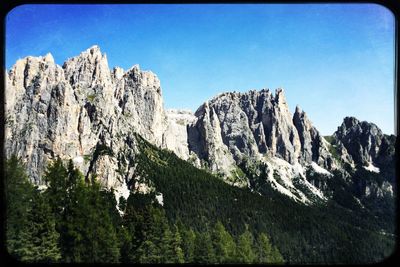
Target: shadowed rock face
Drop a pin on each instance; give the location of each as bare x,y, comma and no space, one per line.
364,145
313,145
363,141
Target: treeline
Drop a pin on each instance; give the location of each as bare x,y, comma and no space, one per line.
76,220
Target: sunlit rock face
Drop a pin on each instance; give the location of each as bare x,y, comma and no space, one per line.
256,124
175,137
81,111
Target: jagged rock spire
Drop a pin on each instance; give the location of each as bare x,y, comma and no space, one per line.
361,140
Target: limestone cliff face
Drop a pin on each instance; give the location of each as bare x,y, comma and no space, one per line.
81,111
256,124
205,140
175,137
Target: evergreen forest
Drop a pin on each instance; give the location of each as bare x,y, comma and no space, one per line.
200,220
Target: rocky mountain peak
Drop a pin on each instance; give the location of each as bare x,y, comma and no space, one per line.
255,124
349,122
298,111
93,49
74,110
92,55
146,78
362,140
280,96
88,69
117,73
280,99
49,58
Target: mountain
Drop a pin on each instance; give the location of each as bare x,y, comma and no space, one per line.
364,144
242,158
82,111
235,128
86,112
256,124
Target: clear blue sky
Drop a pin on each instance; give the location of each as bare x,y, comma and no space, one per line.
334,60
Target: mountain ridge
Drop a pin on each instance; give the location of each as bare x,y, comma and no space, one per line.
86,112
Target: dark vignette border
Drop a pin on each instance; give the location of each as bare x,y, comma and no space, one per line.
393,6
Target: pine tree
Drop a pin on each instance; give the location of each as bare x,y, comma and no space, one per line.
44,237
223,243
148,252
266,252
245,252
70,223
264,248
159,233
31,234
134,222
276,256
204,252
93,223
18,193
122,203
166,245
124,243
56,176
188,244
178,256
148,227
87,232
74,176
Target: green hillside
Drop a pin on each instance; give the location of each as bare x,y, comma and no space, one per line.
328,233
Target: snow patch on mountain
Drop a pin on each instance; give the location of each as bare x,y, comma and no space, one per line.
370,167
282,177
